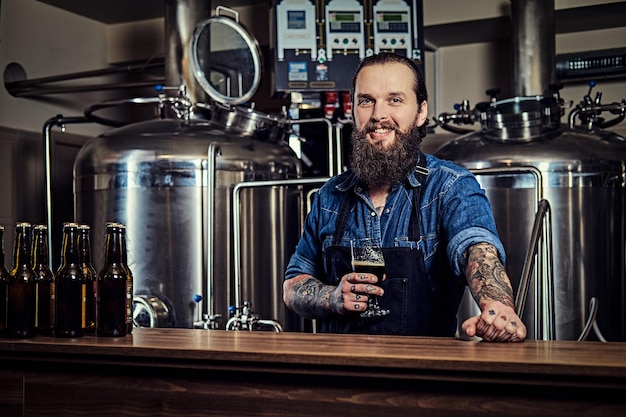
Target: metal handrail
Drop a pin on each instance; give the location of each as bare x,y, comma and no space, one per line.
60,121
237,221
541,243
213,152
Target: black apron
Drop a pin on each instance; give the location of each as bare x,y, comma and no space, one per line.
416,306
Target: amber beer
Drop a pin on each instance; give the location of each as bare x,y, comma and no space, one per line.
43,281
69,288
21,287
4,282
112,282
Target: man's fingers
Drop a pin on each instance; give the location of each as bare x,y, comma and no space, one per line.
469,326
359,277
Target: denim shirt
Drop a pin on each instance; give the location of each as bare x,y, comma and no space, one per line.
455,214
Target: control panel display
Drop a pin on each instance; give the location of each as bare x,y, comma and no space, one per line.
317,44
344,28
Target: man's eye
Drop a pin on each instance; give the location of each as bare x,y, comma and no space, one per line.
364,101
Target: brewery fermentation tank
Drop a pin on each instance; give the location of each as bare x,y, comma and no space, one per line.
523,156
526,160
152,176
170,181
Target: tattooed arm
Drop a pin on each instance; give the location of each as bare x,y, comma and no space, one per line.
491,288
312,299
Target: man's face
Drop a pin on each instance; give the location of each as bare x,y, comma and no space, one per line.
385,137
385,103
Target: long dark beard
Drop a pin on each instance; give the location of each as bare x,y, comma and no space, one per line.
375,166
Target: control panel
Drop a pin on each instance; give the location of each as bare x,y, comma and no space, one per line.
317,44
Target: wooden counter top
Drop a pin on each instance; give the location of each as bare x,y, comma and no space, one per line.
293,373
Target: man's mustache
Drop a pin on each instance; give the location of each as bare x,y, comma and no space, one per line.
371,126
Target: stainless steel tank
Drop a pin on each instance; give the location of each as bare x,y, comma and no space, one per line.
581,175
152,176
170,181
523,155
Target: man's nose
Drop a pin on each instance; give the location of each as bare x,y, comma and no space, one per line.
380,114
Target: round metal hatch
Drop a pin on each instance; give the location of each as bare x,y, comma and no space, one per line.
225,59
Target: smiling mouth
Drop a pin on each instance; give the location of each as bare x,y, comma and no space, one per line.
375,129
380,134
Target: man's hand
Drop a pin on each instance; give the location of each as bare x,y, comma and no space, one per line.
353,292
310,298
496,323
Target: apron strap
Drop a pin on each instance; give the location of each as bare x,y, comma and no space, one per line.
416,214
342,218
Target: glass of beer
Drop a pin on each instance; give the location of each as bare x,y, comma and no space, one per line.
369,259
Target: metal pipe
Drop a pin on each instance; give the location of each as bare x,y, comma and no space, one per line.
212,153
533,47
181,17
36,92
60,121
538,314
37,86
548,281
516,170
331,152
531,253
339,141
237,219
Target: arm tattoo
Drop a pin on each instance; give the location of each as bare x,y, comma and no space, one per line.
486,276
310,298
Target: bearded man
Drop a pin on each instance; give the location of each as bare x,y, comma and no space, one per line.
430,217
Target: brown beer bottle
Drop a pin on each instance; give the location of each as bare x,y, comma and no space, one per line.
129,282
4,282
21,287
111,289
89,273
69,288
43,281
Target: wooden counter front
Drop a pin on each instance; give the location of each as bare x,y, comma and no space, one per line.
180,372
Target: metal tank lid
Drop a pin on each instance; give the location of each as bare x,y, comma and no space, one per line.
225,59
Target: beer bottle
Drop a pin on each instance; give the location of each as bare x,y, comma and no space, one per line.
21,287
4,281
129,282
69,288
89,273
43,280
112,285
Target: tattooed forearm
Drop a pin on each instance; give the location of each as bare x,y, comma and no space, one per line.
486,276
310,298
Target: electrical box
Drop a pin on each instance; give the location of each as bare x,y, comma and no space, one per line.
317,44
582,66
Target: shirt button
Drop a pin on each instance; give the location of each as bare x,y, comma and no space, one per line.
373,213
387,211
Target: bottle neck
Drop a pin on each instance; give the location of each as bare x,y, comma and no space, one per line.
85,247
70,248
21,249
123,254
112,254
40,247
